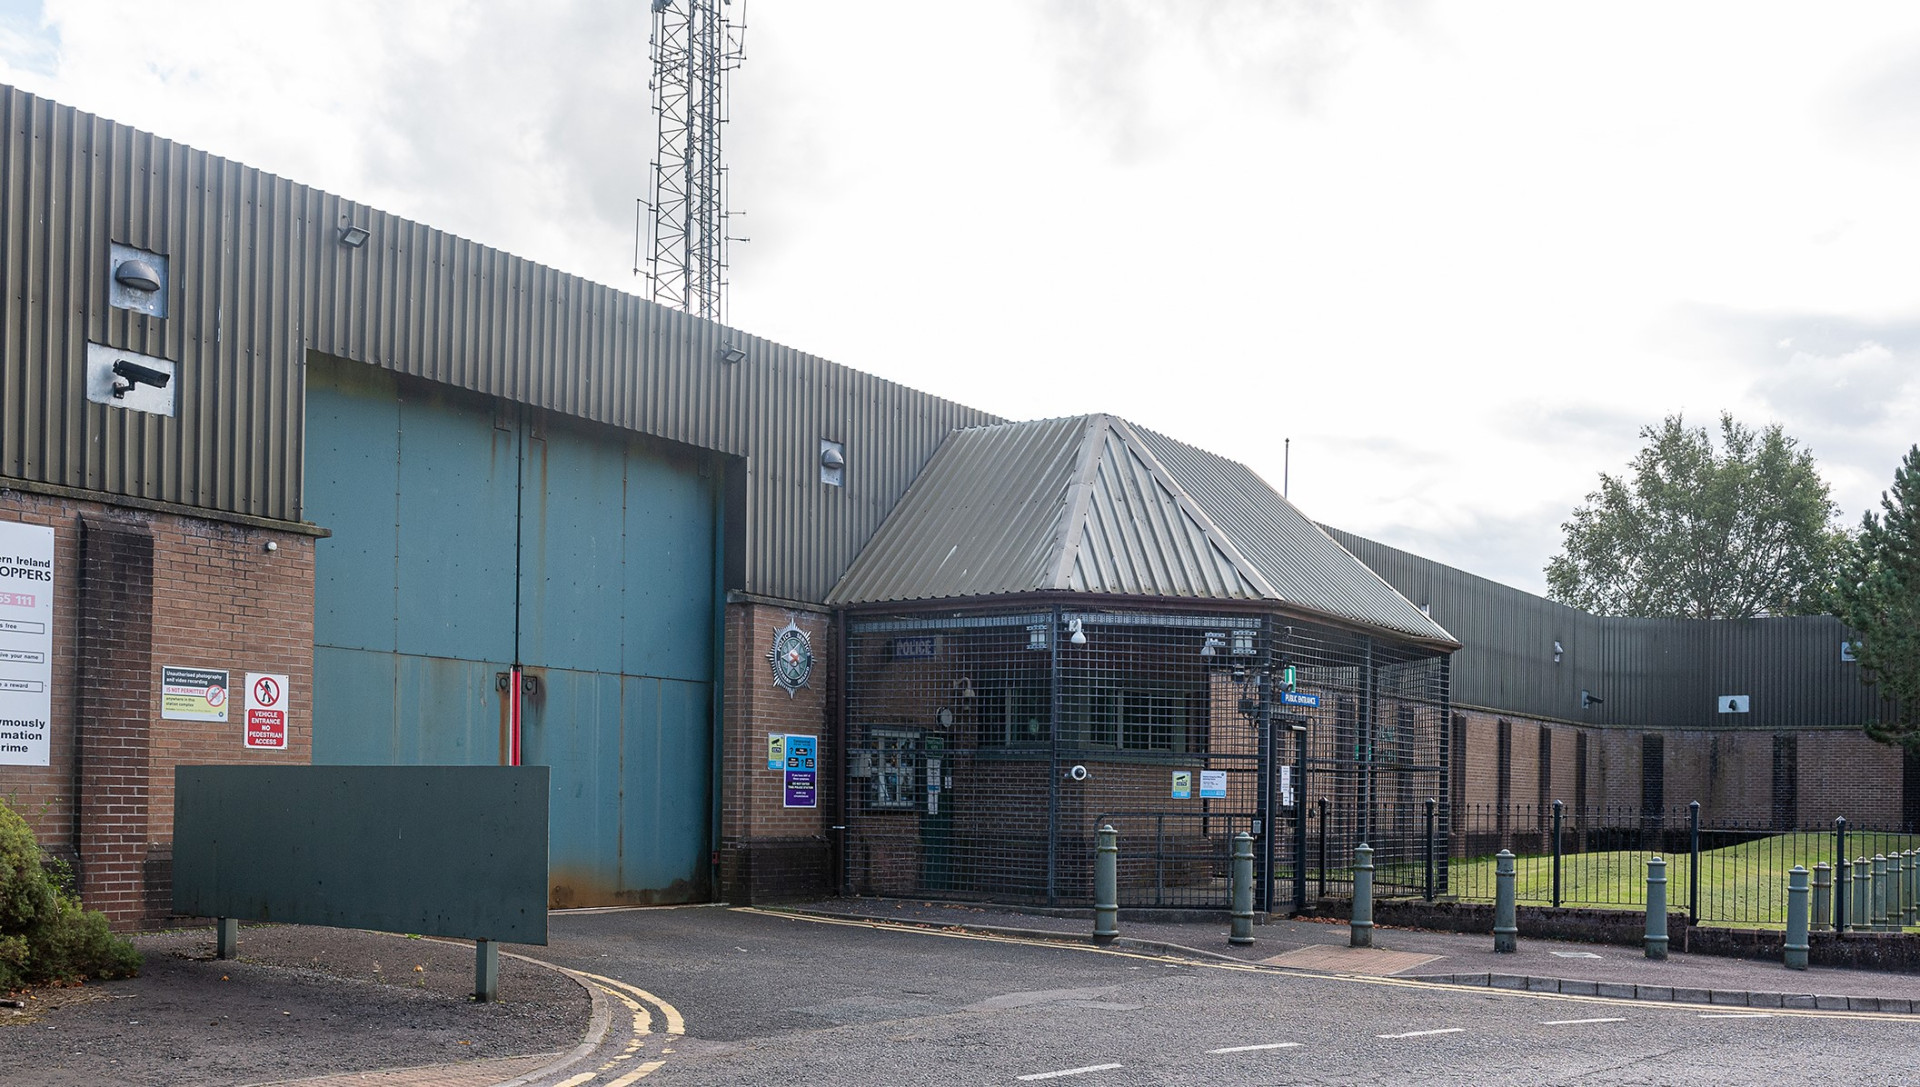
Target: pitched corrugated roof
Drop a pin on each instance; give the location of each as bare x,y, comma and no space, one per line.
1092,504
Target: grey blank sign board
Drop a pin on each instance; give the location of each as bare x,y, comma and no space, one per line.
436,850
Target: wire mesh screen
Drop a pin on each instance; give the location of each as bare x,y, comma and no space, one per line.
985,750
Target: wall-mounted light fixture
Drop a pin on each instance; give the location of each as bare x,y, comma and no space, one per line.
963,687
1588,698
137,275
1557,651
833,463
353,237
1075,634
732,354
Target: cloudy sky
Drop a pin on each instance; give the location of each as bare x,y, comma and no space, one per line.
1459,253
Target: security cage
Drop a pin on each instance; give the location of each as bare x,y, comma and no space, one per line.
986,748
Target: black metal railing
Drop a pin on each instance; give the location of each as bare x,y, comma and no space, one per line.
1720,871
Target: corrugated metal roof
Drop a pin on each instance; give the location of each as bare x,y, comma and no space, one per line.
1306,566
1092,504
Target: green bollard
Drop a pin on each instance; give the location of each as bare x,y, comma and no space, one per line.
1360,929
1656,908
1506,927
1913,887
1106,885
1862,893
1797,943
1822,897
1242,933
1879,918
1899,895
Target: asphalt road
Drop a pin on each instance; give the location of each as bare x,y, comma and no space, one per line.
774,999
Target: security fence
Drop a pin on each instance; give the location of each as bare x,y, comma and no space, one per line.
985,748
1719,871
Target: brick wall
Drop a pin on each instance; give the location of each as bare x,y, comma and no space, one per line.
769,851
138,591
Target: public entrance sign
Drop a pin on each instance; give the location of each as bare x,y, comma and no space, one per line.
26,643
266,710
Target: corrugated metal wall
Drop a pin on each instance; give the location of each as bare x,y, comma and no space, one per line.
1647,672
258,278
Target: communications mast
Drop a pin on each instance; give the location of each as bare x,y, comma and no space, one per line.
695,44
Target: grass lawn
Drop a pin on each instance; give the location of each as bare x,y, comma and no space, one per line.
1743,884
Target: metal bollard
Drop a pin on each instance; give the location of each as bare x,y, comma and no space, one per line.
1913,887
1106,885
1862,893
1797,942
486,971
1506,928
1360,929
1879,918
1822,897
1900,894
226,941
1242,933
1656,908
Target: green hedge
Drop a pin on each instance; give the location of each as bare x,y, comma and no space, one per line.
45,934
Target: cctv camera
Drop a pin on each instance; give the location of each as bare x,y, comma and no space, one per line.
1078,773
132,374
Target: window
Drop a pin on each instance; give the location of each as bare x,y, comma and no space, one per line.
895,762
1014,712
1133,719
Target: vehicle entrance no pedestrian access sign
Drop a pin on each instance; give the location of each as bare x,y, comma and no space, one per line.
266,710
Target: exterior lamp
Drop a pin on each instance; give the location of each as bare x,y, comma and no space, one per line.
1557,651
1075,634
353,237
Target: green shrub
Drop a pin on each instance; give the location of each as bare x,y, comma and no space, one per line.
45,934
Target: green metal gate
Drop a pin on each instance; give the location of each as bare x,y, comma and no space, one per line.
502,584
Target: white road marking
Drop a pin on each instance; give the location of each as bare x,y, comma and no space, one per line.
1068,1072
1577,1022
1252,1048
1736,1015
1424,1033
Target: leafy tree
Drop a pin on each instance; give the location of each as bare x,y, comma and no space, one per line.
1704,533
1878,595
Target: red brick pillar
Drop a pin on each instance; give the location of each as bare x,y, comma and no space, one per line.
115,715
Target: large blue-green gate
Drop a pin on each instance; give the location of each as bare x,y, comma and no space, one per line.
471,536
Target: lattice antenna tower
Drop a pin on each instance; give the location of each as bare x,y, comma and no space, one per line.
696,44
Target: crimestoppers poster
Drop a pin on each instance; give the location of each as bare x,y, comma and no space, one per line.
26,643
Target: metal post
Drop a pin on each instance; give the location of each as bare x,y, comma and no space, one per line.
1843,896
1506,927
1822,897
1559,808
1862,893
1656,908
486,971
227,937
1433,807
1843,883
1896,892
1879,918
1693,865
1360,929
1242,890
1300,822
1053,746
1106,884
1325,806
1797,943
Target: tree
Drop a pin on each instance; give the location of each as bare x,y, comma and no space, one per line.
1878,595
1695,532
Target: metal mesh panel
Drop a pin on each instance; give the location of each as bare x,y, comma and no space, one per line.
985,749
